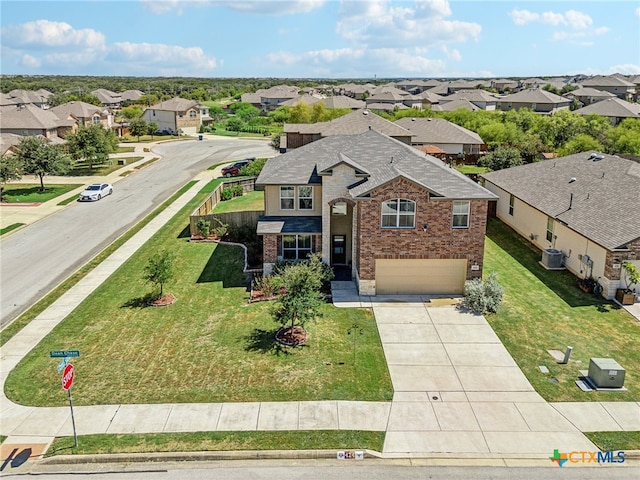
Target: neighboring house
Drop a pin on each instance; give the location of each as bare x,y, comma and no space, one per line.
252,98
452,86
584,205
108,98
85,113
354,90
175,116
614,109
480,98
29,120
587,95
452,138
306,99
429,98
401,222
131,95
504,85
620,87
342,101
16,98
9,142
389,101
354,123
273,97
538,100
455,105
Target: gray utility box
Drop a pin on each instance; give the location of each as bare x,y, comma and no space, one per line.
606,373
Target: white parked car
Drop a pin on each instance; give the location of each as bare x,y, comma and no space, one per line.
96,192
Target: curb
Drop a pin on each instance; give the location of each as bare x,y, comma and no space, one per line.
198,456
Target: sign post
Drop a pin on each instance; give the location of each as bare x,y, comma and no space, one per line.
67,382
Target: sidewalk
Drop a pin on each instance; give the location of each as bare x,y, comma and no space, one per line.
28,214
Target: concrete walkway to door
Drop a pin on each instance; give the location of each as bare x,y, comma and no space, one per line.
458,390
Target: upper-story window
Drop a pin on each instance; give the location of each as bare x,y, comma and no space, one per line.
399,213
192,113
96,119
305,197
512,202
460,214
287,197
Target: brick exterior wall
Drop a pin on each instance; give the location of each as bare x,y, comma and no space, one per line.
438,242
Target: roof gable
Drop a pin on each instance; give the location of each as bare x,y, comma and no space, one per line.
439,130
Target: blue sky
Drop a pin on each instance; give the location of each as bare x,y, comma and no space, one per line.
320,38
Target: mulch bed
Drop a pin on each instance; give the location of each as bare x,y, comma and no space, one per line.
163,301
285,336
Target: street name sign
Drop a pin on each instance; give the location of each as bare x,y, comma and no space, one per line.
64,353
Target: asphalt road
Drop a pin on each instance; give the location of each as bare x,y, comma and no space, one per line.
36,259
325,470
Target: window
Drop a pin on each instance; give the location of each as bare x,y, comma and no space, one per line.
305,198
460,214
398,213
96,119
296,247
192,114
512,202
287,196
339,209
549,229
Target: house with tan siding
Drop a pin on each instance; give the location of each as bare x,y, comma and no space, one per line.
583,205
175,116
398,220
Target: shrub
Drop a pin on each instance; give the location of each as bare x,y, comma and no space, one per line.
483,297
269,285
204,227
230,192
219,229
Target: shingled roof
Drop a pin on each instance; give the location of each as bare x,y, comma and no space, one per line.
612,107
594,194
175,104
438,130
377,158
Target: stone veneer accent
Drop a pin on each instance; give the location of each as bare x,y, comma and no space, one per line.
613,276
439,241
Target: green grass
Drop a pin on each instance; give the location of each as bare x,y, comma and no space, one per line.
606,441
30,193
545,310
210,346
125,149
19,323
250,201
469,169
72,198
81,169
11,227
147,163
218,441
229,133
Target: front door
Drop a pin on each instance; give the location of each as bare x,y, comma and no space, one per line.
338,249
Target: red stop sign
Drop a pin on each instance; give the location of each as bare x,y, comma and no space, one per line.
67,376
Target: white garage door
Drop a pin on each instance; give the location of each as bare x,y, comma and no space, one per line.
409,277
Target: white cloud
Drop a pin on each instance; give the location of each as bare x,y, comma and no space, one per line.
381,23
571,18
45,33
30,61
625,69
263,7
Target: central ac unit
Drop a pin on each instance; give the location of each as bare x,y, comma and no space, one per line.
552,258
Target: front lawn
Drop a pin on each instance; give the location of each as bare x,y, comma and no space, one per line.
250,201
210,346
30,193
544,310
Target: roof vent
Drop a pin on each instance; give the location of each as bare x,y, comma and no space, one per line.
596,156
365,112
572,179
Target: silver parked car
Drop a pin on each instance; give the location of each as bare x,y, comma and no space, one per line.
95,192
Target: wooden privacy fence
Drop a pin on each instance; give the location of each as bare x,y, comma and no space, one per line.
205,210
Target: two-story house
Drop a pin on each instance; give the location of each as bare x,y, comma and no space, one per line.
175,116
400,221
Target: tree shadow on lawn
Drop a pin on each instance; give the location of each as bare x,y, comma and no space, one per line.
139,302
563,283
264,341
225,265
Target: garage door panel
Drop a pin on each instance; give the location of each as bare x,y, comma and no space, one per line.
420,276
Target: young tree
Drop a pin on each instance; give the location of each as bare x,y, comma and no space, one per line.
303,297
93,143
138,127
580,143
10,169
39,158
159,269
152,129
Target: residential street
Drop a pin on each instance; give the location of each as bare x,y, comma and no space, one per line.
37,258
